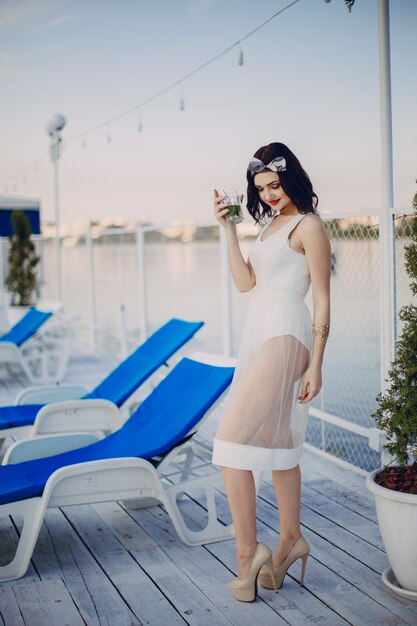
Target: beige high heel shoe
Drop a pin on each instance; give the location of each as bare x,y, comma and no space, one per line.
246,589
300,550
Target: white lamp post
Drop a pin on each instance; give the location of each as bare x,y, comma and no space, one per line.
54,128
388,322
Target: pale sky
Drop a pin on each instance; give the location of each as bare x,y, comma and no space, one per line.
310,79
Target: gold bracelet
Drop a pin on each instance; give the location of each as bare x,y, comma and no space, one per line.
321,330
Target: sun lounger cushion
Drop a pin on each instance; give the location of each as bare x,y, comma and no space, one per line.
161,345
21,415
26,327
126,378
163,419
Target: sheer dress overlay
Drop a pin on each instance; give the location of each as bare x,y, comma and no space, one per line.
263,425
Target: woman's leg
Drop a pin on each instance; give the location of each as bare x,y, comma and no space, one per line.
241,495
287,485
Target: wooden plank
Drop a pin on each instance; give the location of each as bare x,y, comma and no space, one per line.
359,569
193,605
61,553
339,514
363,603
198,565
47,602
375,588
334,533
196,608
338,594
9,609
325,468
343,516
144,599
353,500
293,610
344,565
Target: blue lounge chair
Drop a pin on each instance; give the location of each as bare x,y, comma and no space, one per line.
26,327
122,466
21,346
29,420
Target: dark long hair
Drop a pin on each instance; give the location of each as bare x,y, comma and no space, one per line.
295,182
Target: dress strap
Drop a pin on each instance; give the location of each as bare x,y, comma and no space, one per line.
284,231
289,227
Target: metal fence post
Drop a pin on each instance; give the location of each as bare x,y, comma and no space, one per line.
123,333
227,342
142,291
386,230
91,288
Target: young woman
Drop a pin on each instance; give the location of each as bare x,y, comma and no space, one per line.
279,362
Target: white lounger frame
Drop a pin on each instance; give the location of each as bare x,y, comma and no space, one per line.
133,480
44,356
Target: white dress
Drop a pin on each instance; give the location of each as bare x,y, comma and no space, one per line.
263,425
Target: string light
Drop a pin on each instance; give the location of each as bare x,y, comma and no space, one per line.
182,101
240,55
349,4
140,124
173,85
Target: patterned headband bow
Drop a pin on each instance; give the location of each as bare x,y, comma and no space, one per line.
256,166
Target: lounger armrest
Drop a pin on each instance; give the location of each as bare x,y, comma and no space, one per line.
47,445
53,306
50,393
9,353
77,416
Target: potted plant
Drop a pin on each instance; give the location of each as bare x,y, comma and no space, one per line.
395,485
21,281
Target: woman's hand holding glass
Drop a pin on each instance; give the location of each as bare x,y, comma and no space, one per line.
222,208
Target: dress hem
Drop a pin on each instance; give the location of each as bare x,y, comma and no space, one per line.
245,457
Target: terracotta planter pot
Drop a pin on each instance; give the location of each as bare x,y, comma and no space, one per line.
397,518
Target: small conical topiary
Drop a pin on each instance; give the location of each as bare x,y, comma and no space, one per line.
397,411
21,280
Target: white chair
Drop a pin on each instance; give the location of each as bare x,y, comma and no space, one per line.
69,408
133,464
38,344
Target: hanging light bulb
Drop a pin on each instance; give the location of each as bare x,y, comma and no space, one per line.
349,4
140,124
182,101
240,55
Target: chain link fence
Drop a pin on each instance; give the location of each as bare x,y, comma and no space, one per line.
105,286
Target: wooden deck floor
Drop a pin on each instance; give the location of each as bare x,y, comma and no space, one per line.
103,564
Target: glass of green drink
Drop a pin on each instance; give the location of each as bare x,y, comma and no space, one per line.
232,197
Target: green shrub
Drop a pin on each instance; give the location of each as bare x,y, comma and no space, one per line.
397,411
21,280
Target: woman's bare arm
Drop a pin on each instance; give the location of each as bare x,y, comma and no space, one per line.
318,253
317,249
242,272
